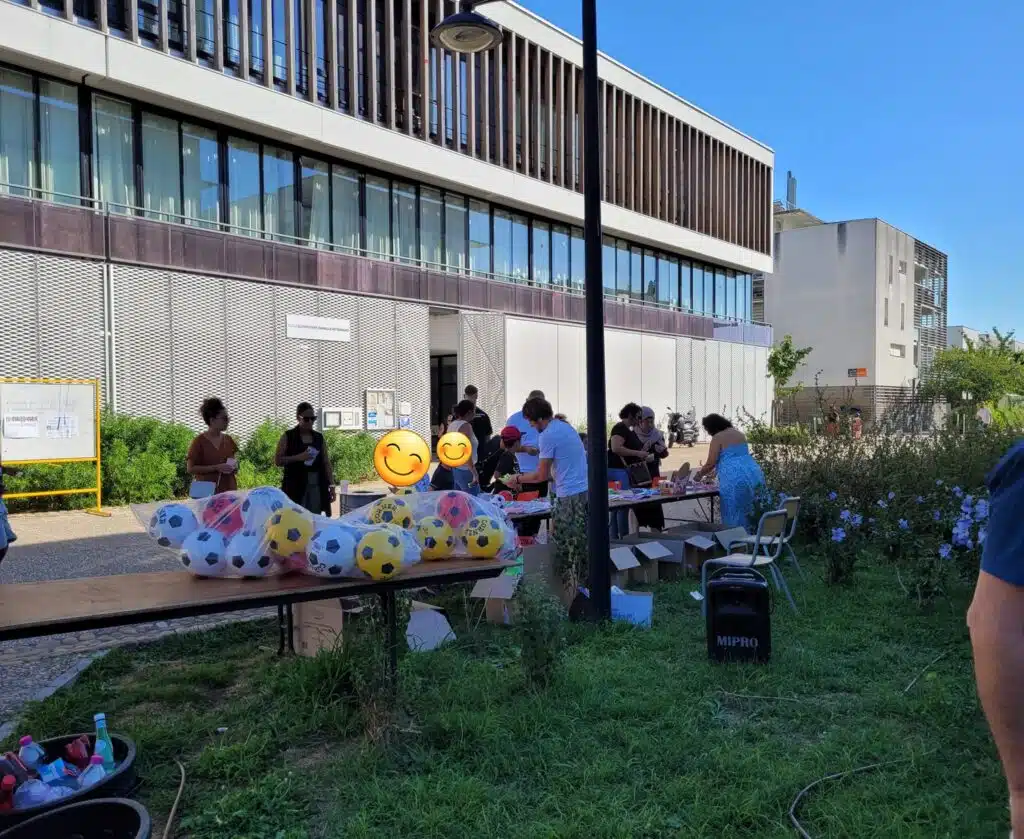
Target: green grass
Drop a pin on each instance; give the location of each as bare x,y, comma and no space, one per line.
637,736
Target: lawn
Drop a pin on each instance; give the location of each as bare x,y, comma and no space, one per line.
637,736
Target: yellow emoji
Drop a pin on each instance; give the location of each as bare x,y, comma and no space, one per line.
454,449
401,458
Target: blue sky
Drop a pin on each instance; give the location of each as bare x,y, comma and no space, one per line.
908,110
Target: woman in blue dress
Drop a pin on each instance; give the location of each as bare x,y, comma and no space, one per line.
739,476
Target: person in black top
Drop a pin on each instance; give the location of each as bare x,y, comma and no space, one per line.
625,450
308,478
481,422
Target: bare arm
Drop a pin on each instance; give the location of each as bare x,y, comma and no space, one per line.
709,467
282,459
996,622
618,446
540,475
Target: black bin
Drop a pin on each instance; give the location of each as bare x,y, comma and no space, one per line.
739,611
100,818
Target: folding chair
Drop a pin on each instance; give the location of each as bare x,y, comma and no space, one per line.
766,547
791,506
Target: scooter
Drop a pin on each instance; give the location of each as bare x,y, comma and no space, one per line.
688,432
674,425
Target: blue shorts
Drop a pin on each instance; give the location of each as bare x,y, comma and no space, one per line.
1003,553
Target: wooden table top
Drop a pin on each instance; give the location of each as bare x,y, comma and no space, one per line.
46,608
618,504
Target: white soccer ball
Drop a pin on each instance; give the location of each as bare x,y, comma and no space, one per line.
204,553
260,504
332,551
247,554
171,524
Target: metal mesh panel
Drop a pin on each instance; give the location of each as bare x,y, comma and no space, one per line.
143,371
699,379
737,371
412,335
725,379
376,336
482,360
684,388
339,361
19,338
251,353
72,343
199,345
712,371
297,370
750,401
764,384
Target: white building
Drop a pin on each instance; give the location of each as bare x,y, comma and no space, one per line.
960,336
276,201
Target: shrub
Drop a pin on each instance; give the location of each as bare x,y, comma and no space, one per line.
351,454
540,626
761,433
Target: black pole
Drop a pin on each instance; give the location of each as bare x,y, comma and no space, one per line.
597,523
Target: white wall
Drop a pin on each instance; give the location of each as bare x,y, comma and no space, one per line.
444,333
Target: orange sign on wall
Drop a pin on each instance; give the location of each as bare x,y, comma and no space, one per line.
857,372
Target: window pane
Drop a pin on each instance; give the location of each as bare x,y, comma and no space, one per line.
430,227
541,253
58,139
480,237
278,194
709,290
455,232
578,260
609,258
345,209
719,293
17,133
403,217
520,248
698,288
314,203
668,281
636,279
502,243
622,264
378,217
200,162
685,297
161,156
114,175
730,294
650,284
244,186
560,256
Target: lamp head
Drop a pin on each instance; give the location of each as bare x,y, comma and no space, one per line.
466,32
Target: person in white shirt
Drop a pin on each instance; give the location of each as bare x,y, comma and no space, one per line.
465,477
562,459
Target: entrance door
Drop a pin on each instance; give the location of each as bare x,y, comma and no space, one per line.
444,390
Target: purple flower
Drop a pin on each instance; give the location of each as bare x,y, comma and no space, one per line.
962,533
882,504
838,534
904,524
938,483
959,493
920,499
937,515
845,515
945,551
832,496
981,510
857,520
892,495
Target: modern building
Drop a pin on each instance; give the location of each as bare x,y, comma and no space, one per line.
275,201
870,300
962,336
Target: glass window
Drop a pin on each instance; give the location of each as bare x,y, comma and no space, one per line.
698,288
161,155
480,238
280,12
455,232
17,133
541,253
378,217
730,294
609,259
650,284
560,256
114,154
430,227
636,279
403,222
200,169
314,202
520,248
709,290
578,259
278,193
719,309
622,268
502,243
244,186
345,209
885,321
668,281
685,297
59,171
743,306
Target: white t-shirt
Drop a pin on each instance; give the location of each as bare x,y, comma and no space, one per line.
466,428
527,462
561,444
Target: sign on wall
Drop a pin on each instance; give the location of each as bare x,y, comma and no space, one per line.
308,328
857,372
380,410
344,419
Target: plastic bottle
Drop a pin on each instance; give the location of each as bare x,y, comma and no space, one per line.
94,774
7,786
34,792
104,745
31,753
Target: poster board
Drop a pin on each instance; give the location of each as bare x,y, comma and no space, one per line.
48,420
380,410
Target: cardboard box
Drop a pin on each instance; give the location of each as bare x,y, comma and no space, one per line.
497,594
635,607
698,549
625,563
317,625
428,628
660,560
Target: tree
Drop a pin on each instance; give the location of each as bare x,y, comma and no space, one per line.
982,372
783,361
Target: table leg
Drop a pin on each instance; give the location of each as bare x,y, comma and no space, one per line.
387,600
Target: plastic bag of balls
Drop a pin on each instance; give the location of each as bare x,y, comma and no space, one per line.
445,525
260,532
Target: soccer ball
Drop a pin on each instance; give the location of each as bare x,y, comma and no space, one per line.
380,553
435,537
455,509
332,552
246,554
289,531
483,537
204,553
172,524
391,510
260,504
223,513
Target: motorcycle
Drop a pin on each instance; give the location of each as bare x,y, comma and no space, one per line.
673,426
688,431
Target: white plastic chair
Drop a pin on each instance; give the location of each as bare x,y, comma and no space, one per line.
791,506
766,547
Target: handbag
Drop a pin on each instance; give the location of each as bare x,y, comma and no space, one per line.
202,489
639,475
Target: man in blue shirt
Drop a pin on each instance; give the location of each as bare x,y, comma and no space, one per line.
529,442
996,621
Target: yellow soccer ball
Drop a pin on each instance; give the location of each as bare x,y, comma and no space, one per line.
435,537
289,531
379,554
391,510
483,537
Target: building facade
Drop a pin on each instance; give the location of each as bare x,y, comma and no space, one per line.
963,336
276,201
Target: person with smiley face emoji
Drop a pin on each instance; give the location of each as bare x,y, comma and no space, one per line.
401,458
463,469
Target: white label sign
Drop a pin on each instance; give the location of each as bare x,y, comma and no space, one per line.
21,426
318,329
62,426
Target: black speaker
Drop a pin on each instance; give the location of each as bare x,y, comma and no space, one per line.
739,616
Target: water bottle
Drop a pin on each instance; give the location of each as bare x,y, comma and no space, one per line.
34,792
94,774
311,454
58,774
31,753
104,745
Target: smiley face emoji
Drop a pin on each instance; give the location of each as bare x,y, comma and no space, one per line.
401,458
454,449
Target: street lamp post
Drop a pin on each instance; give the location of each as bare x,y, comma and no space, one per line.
468,31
